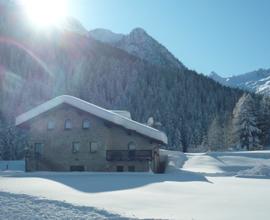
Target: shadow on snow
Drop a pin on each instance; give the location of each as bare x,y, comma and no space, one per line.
91,182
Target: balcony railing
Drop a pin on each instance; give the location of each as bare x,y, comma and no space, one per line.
129,155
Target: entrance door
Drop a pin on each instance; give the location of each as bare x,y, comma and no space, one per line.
120,168
77,168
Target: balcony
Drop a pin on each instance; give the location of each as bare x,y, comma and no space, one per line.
129,155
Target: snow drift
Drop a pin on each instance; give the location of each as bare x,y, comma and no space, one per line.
260,170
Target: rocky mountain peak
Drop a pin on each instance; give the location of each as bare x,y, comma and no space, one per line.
139,32
138,43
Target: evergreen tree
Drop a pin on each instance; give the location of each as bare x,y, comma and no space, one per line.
12,142
246,133
215,139
264,120
178,140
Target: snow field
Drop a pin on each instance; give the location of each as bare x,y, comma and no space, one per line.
206,186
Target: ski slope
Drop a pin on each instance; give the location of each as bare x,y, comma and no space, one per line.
196,186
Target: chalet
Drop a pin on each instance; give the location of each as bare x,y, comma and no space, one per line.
69,134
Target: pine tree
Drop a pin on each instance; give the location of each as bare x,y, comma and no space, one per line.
178,140
228,131
245,130
12,142
264,120
215,139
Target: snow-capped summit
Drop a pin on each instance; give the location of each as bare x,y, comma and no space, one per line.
138,43
257,81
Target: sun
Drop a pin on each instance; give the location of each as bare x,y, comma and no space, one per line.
45,13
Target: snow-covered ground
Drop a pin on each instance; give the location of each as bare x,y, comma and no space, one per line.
15,206
206,186
225,163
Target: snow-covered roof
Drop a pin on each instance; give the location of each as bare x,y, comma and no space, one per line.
97,111
123,113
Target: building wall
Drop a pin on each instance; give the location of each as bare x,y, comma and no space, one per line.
57,153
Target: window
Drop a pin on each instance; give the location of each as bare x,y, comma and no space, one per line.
86,124
38,149
51,125
131,168
68,124
131,146
75,147
93,147
120,168
131,151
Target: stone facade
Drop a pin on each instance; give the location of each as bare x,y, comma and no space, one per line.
60,149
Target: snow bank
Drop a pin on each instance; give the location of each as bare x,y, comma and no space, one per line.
176,160
260,170
225,163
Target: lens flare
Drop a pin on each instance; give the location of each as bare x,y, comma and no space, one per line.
45,13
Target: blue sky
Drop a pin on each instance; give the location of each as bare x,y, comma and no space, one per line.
228,36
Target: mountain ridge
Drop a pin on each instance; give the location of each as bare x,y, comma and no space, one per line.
139,43
257,81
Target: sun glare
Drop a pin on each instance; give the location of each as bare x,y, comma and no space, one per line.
46,13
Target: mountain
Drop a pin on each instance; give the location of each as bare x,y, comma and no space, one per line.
256,81
105,36
135,73
139,44
213,75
